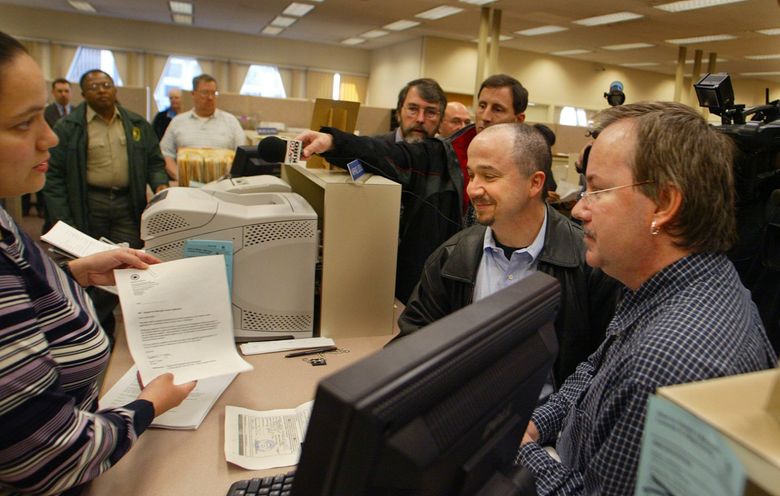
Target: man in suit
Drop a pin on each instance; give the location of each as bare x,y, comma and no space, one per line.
59,108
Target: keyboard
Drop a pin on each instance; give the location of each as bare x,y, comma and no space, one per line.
277,485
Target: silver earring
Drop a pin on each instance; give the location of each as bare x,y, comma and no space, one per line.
654,229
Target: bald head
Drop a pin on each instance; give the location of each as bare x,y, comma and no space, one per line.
456,117
174,95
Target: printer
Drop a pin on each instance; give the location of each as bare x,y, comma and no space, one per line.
275,247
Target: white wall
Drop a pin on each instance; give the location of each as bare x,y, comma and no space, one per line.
391,68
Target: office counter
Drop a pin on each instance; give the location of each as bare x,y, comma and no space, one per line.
169,462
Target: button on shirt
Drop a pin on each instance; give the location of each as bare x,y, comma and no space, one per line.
188,130
107,164
496,272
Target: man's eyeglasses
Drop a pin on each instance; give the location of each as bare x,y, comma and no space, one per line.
207,93
591,196
106,85
414,111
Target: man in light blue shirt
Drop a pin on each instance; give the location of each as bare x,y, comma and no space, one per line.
205,126
517,235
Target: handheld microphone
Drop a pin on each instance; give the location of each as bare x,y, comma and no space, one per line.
278,150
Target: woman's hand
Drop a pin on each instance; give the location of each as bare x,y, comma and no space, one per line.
98,269
164,394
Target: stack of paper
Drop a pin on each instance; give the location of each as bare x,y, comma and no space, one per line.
188,415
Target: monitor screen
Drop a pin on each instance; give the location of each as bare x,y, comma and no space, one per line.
247,162
441,411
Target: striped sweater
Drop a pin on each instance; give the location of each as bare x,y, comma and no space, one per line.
51,352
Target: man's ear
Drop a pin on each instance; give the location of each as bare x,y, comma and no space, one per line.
536,183
668,205
521,117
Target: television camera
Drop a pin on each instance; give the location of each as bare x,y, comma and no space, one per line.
756,254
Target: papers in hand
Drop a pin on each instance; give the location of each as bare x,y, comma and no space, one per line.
178,319
73,241
188,415
259,440
567,191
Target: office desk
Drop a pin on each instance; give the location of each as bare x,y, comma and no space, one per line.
178,463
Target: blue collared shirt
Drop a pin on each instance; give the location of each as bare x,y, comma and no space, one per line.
62,108
691,321
496,272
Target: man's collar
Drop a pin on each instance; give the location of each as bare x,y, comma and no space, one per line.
194,115
91,114
534,249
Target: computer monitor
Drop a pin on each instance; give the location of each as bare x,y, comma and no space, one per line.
441,411
247,162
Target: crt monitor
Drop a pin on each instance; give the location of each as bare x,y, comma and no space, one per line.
439,412
247,162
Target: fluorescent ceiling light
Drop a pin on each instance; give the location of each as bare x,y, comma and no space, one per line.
181,7
272,30
501,37
283,22
478,2
773,56
627,46
401,25
82,6
541,30
639,64
182,18
564,53
702,39
608,19
770,32
298,9
691,61
773,73
692,5
353,41
374,33
439,12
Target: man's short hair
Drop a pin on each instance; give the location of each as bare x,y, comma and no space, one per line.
530,151
203,78
92,71
676,146
519,93
59,81
428,89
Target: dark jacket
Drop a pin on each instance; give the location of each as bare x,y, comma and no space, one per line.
52,114
431,181
66,181
588,296
160,123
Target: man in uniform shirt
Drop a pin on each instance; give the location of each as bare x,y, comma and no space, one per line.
99,171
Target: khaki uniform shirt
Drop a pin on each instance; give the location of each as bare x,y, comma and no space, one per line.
107,164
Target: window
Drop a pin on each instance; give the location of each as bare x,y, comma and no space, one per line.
93,58
337,86
571,116
263,80
178,73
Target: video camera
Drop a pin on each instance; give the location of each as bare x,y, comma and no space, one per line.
757,181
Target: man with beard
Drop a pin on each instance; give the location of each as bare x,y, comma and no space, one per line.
420,106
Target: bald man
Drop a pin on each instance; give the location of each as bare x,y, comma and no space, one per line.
456,117
164,117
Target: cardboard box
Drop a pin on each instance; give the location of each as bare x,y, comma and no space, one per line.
745,409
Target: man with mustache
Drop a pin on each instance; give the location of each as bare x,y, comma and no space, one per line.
420,107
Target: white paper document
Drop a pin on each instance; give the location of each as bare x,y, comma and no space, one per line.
260,347
73,241
178,319
568,191
259,440
188,415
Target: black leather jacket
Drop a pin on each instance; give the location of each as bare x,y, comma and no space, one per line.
588,296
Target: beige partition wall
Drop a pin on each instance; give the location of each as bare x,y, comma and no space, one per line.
358,225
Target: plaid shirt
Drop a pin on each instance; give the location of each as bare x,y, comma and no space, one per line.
692,321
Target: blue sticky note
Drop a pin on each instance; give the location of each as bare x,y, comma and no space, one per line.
355,169
202,247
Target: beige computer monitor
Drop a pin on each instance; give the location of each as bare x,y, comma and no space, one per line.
332,113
